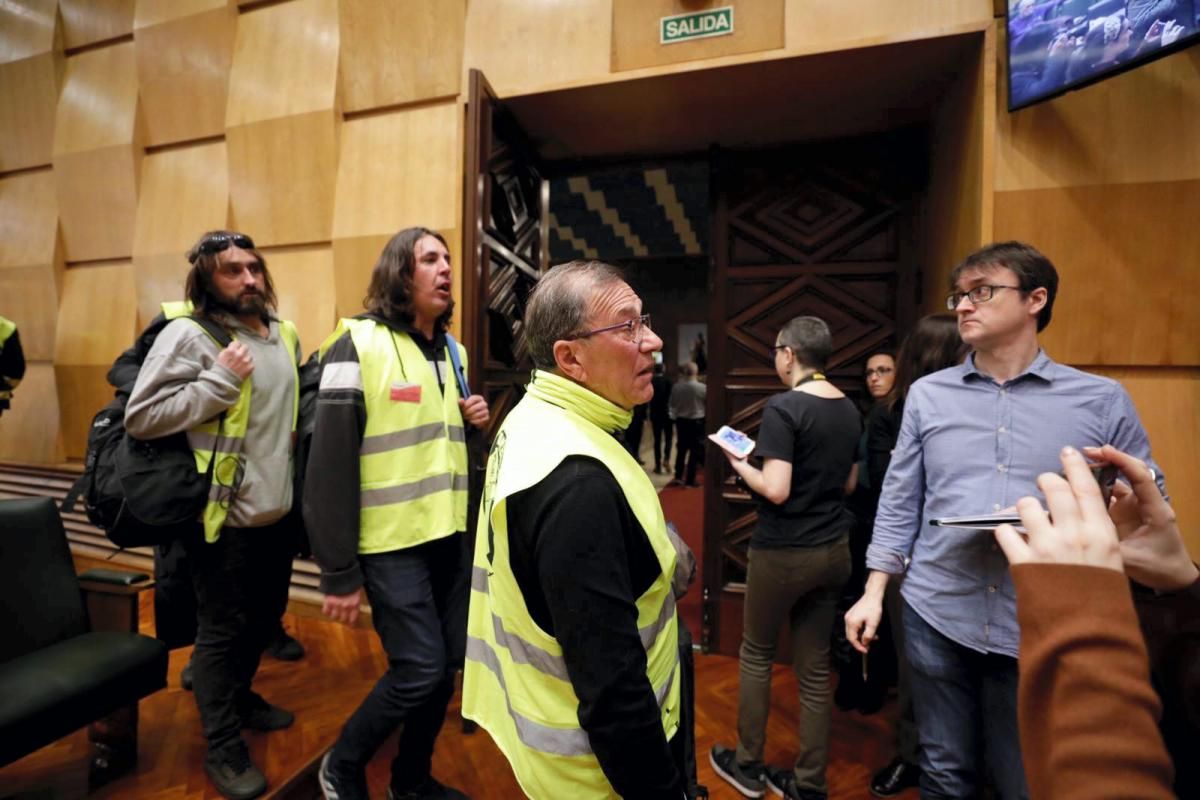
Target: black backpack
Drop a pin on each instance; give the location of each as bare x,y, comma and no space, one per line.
141,492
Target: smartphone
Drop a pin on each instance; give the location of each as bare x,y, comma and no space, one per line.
735,442
1106,476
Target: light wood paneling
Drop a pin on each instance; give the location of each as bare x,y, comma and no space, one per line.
28,102
184,192
99,102
28,28
400,52
831,24
1126,256
90,21
353,260
1167,402
397,170
156,12
29,297
97,201
303,278
29,430
1140,127
524,44
183,69
97,320
158,278
757,25
285,62
28,219
282,177
957,215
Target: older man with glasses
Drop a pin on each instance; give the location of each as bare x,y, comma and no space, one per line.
573,661
241,549
973,439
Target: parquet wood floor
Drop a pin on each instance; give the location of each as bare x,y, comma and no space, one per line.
340,668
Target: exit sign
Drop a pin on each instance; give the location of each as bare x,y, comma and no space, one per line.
698,25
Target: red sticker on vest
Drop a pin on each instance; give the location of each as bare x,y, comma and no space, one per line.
406,393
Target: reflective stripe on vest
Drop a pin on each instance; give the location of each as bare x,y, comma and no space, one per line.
413,457
515,682
225,439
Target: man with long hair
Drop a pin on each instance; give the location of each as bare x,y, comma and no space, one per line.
386,507
241,550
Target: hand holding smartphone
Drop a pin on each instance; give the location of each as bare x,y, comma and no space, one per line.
736,443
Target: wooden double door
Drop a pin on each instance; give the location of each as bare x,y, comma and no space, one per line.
815,229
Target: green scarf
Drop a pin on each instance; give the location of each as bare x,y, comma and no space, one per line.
579,400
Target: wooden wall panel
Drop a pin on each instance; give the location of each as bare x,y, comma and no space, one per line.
816,25
957,212
28,219
91,21
757,25
185,191
282,177
156,12
1167,402
29,297
397,170
99,102
90,335
303,278
183,66
1126,256
285,62
28,28
97,201
1139,127
29,430
157,279
400,52
524,44
28,101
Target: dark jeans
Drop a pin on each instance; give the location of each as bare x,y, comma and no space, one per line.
418,601
690,448
663,429
966,708
906,721
237,580
799,586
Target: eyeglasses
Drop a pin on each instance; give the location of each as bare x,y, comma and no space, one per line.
879,371
978,294
634,329
776,348
221,241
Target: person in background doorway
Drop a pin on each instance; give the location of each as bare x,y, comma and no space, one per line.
688,397
660,419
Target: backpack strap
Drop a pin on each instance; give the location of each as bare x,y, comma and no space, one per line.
464,389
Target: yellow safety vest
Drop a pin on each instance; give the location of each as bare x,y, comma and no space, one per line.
7,383
515,682
227,438
413,457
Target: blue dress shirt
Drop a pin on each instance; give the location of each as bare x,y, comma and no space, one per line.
970,445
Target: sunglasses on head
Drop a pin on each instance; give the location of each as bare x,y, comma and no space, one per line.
221,241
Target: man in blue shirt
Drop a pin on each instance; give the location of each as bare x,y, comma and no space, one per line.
973,440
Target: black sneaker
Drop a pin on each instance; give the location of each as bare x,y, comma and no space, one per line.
285,648
746,778
232,774
428,789
337,787
895,778
783,783
267,718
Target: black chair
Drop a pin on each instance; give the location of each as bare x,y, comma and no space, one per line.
57,674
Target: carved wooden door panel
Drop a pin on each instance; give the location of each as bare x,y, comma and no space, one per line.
504,253
815,231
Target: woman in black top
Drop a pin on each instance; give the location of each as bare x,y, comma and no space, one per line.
799,559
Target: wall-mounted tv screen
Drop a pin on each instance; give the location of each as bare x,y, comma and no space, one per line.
1057,45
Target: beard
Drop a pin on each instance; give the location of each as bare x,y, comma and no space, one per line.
241,306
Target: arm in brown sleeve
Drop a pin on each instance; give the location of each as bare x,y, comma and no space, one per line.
1086,710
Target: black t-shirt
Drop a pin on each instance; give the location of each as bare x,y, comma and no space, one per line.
819,437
